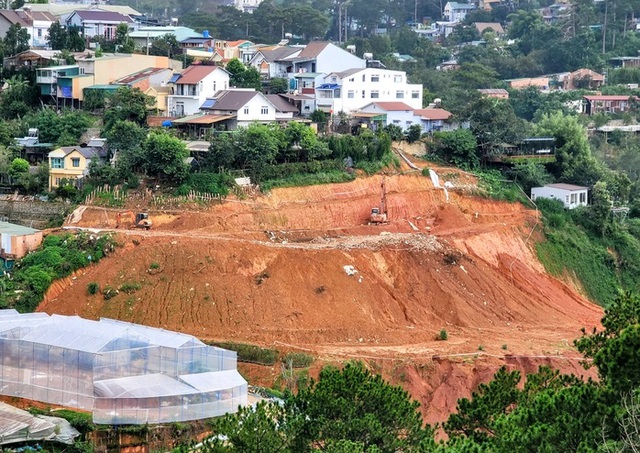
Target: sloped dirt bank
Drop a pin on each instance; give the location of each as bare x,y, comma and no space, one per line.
301,268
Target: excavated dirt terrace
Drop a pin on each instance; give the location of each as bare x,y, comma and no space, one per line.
300,269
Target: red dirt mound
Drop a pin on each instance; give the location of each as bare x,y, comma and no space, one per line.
301,268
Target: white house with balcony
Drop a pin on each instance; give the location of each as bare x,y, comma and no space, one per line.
571,196
353,89
193,87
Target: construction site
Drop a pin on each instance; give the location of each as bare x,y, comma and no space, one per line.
369,270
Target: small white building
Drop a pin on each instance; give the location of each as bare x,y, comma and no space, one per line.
194,86
351,90
570,195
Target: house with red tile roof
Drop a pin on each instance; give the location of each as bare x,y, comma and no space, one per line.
194,86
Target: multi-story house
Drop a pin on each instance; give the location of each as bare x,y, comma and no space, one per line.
194,86
72,163
456,12
247,6
353,89
35,22
66,84
317,57
96,23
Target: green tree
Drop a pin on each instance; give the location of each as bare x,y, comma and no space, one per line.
15,99
16,40
165,156
18,167
414,132
458,147
129,104
58,37
75,41
572,146
614,349
124,43
243,77
259,429
278,85
354,405
165,46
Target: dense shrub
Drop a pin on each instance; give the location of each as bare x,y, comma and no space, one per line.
58,257
215,183
298,359
251,353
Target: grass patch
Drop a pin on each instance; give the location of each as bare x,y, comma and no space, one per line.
109,292
130,287
571,249
308,179
298,359
493,185
250,353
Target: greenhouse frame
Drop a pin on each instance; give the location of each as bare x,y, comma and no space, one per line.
124,373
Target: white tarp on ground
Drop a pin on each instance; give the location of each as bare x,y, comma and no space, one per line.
17,425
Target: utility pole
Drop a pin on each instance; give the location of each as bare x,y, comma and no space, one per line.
339,23
346,23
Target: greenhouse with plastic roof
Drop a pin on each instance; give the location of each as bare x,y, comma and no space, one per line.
124,373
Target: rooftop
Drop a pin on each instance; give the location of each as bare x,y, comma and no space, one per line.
570,187
195,73
15,230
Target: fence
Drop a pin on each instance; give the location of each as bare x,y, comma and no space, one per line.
191,197
106,196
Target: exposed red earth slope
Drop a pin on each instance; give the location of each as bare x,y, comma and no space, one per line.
271,271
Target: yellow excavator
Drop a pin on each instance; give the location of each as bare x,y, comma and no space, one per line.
137,220
379,214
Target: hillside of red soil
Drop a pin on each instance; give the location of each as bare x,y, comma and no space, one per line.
301,269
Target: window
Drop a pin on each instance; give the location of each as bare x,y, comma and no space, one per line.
39,32
583,197
573,198
375,77
264,110
397,78
396,121
375,94
75,162
415,95
399,94
351,94
363,94
57,162
58,181
214,86
246,110
363,77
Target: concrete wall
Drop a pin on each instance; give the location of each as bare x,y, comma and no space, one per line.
34,214
23,244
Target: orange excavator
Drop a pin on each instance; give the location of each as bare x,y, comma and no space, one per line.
137,220
379,215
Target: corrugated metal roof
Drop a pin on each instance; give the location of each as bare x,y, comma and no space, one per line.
203,119
313,49
234,100
16,230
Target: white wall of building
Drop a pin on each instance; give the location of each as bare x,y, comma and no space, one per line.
181,103
570,199
259,109
367,86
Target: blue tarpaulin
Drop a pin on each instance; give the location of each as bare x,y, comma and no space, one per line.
167,123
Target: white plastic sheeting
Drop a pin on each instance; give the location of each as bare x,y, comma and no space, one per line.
17,425
125,373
